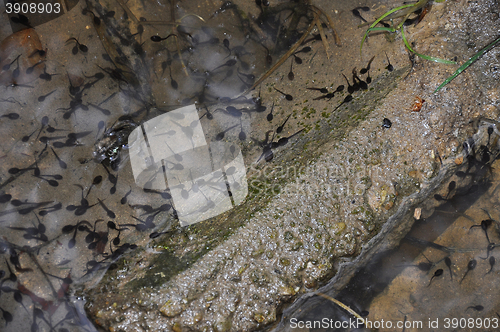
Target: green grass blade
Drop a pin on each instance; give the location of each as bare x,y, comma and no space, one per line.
381,29
468,63
423,56
380,19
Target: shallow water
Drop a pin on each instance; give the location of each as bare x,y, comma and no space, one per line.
441,275
66,218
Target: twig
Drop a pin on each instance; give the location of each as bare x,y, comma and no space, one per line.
340,304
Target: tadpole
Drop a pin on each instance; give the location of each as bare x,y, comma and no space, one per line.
291,75
367,70
173,82
347,99
287,96
280,128
485,224
29,70
492,262
322,90
447,261
242,136
41,53
11,116
220,135
110,213
362,84
42,98
470,266
350,88
356,13
7,66
270,116
78,46
438,273
284,140
389,67
124,198
46,76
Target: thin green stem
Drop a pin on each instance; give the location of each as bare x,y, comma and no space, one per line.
423,56
380,19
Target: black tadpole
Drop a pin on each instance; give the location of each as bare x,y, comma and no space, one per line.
220,135
470,266
389,66
158,39
42,98
78,46
447,261
350,88
322,90
209,115
367,70
270,116
287,96
347,99
356,13
297,59
46,76
291,75
438,273
492,262
485,224
284,140
62,164
11,116
30,70
124,198
280,128
41,53
362,84
7,66
97,20
242,135
110,213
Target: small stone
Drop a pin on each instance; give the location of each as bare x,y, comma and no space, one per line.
177,327
459,160
417,214
310,283
259,318
287,290
389,205
284,261
171,309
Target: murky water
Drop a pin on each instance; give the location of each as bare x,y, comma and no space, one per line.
77,83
